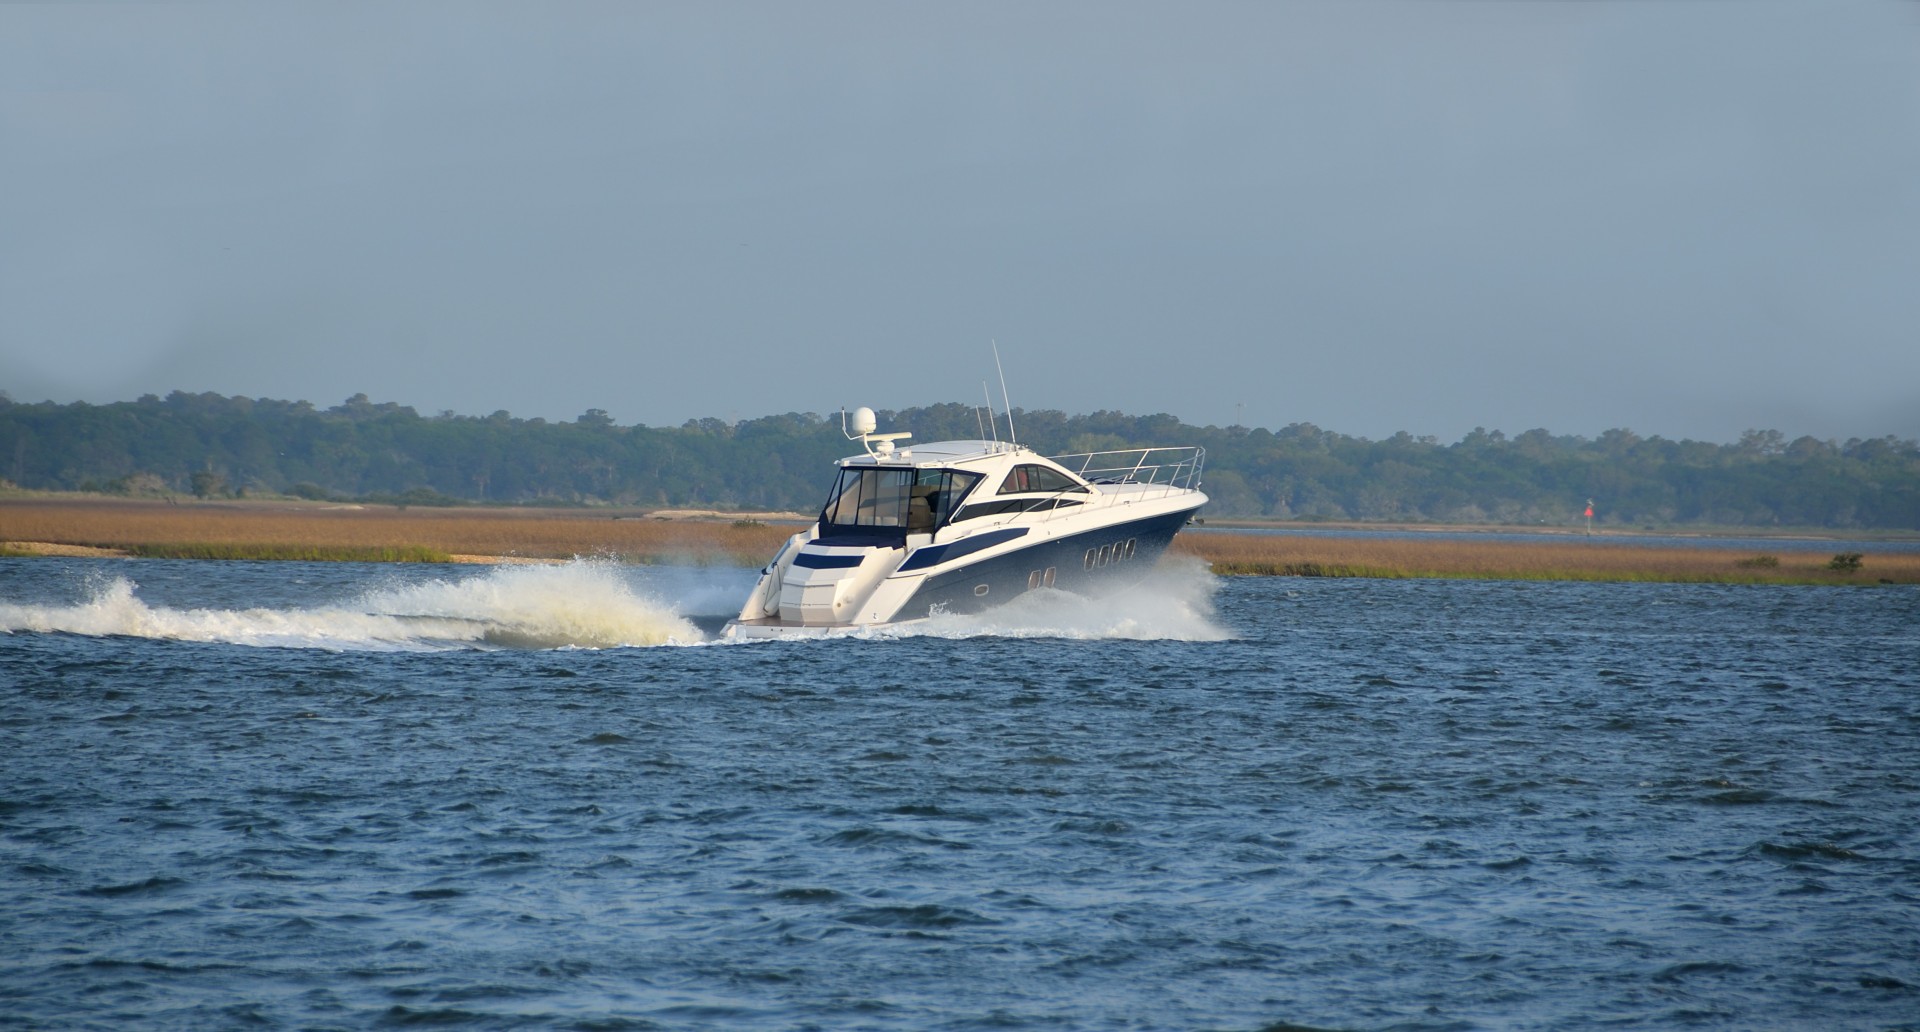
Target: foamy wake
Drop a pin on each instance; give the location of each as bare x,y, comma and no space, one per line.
1173,603
593,604
582,604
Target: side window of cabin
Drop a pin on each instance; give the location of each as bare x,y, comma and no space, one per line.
1031,479
1053,481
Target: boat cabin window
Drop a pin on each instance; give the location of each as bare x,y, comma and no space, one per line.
893,502
1001,508
1028,478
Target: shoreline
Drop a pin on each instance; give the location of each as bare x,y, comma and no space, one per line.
1614,533
26,499
55,550
293,530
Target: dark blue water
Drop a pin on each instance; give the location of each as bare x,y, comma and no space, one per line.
260,796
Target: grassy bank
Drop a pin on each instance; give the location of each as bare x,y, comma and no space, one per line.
301,553
1551,557
318,531
384,534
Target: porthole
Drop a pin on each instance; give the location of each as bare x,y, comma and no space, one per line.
1106,555
1033,580
1130,543
1090,554
1047,579
980,590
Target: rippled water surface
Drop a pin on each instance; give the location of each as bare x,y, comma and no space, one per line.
339,796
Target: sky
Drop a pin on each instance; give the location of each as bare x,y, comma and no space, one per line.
1686,219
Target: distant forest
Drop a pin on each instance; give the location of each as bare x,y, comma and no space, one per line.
210,445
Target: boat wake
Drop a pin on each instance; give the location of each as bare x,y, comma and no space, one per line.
593,604
582,604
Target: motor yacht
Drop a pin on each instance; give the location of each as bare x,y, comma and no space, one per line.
910,532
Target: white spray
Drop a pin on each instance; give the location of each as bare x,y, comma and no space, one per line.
582,604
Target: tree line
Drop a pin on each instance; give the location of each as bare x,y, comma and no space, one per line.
212,445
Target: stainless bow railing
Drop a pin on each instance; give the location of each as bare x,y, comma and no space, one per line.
1169,468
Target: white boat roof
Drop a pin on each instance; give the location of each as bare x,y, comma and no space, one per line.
940,453
1124,469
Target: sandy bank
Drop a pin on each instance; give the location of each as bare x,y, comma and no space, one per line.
65,551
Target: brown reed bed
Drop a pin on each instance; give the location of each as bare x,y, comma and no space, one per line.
287,530
319,531
1551,557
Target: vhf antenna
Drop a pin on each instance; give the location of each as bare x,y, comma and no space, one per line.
1011,435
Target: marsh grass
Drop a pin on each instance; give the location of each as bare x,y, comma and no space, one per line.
1547,559
302,553
293,531
319,531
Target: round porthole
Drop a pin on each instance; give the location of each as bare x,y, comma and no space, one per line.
979,590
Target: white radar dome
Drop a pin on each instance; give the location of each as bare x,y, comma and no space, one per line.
863,421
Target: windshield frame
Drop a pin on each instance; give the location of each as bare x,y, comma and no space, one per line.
878,502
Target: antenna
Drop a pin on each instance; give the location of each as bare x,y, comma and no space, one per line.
877,445
991,425
978,423
1014,437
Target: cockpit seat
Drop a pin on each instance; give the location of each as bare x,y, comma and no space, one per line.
920,509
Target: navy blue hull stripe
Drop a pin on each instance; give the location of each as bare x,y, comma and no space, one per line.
816,561
934,555
1006,576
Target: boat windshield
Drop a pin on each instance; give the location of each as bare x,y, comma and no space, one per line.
893,502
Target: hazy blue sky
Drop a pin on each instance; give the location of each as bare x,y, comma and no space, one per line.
1688,219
